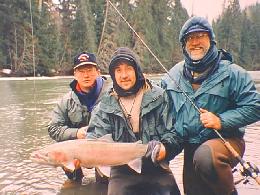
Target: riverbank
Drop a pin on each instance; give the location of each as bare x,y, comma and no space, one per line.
254,75
34,78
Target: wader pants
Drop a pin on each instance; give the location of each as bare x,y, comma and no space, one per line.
152,181
208,167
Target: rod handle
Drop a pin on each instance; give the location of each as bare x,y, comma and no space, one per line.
231,149
257,179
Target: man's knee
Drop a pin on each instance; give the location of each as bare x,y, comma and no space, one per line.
203,163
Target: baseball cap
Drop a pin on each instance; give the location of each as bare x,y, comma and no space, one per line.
84,58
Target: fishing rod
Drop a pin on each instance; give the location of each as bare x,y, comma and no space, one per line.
249,169
33,62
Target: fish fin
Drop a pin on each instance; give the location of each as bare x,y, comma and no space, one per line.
139,142
164,164
106,138
104,171
69,166
136,165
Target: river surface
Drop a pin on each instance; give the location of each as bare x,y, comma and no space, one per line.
24,114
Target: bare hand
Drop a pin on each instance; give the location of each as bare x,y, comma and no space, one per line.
210,120
82,132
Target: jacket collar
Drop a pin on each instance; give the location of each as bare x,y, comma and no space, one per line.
149,102
177,74
220,74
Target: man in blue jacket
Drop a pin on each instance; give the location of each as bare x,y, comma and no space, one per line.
227,100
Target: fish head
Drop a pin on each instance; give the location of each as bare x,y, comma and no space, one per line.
55,158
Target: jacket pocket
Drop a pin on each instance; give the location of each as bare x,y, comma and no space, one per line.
178,101
75,116
215,99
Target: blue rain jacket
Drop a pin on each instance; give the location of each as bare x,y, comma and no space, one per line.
229,93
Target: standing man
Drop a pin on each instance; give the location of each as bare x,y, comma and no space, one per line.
228,101
135,110
72,114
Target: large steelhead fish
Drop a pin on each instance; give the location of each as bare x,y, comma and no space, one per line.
103,152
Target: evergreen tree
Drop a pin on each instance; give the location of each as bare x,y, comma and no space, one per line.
71,26
178,17
116,32
16,36
67,11
48,46
228,29
145,26
254,17
98,11
248,43
83,35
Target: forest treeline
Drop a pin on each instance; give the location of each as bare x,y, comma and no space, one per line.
40,37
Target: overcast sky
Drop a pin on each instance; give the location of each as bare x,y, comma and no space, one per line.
210,8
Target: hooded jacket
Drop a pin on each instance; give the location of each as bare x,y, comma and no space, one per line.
155,121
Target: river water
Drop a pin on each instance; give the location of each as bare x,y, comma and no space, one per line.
24,113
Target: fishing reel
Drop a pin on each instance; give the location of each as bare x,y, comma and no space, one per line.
248,170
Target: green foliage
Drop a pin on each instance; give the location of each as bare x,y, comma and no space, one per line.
48,46
16,36
97,9
238,32
63,30
229,28
177,18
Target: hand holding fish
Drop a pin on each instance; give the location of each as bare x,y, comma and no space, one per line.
76,163
75,174
156,151
210,120
82,132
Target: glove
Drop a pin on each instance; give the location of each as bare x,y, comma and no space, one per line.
156,151
75,175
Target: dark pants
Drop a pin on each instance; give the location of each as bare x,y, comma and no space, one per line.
77,176
100,179
208,167
153,181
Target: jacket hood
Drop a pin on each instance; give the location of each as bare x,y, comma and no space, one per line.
196,24
126,55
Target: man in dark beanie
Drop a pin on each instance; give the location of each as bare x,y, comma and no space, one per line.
227,100
72,113
135,110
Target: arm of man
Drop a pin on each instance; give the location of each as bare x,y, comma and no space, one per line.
246,101
170,143
99,124
82,132
210,120
58,127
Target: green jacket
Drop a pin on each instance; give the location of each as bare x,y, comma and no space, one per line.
229,93
155,122
69,115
